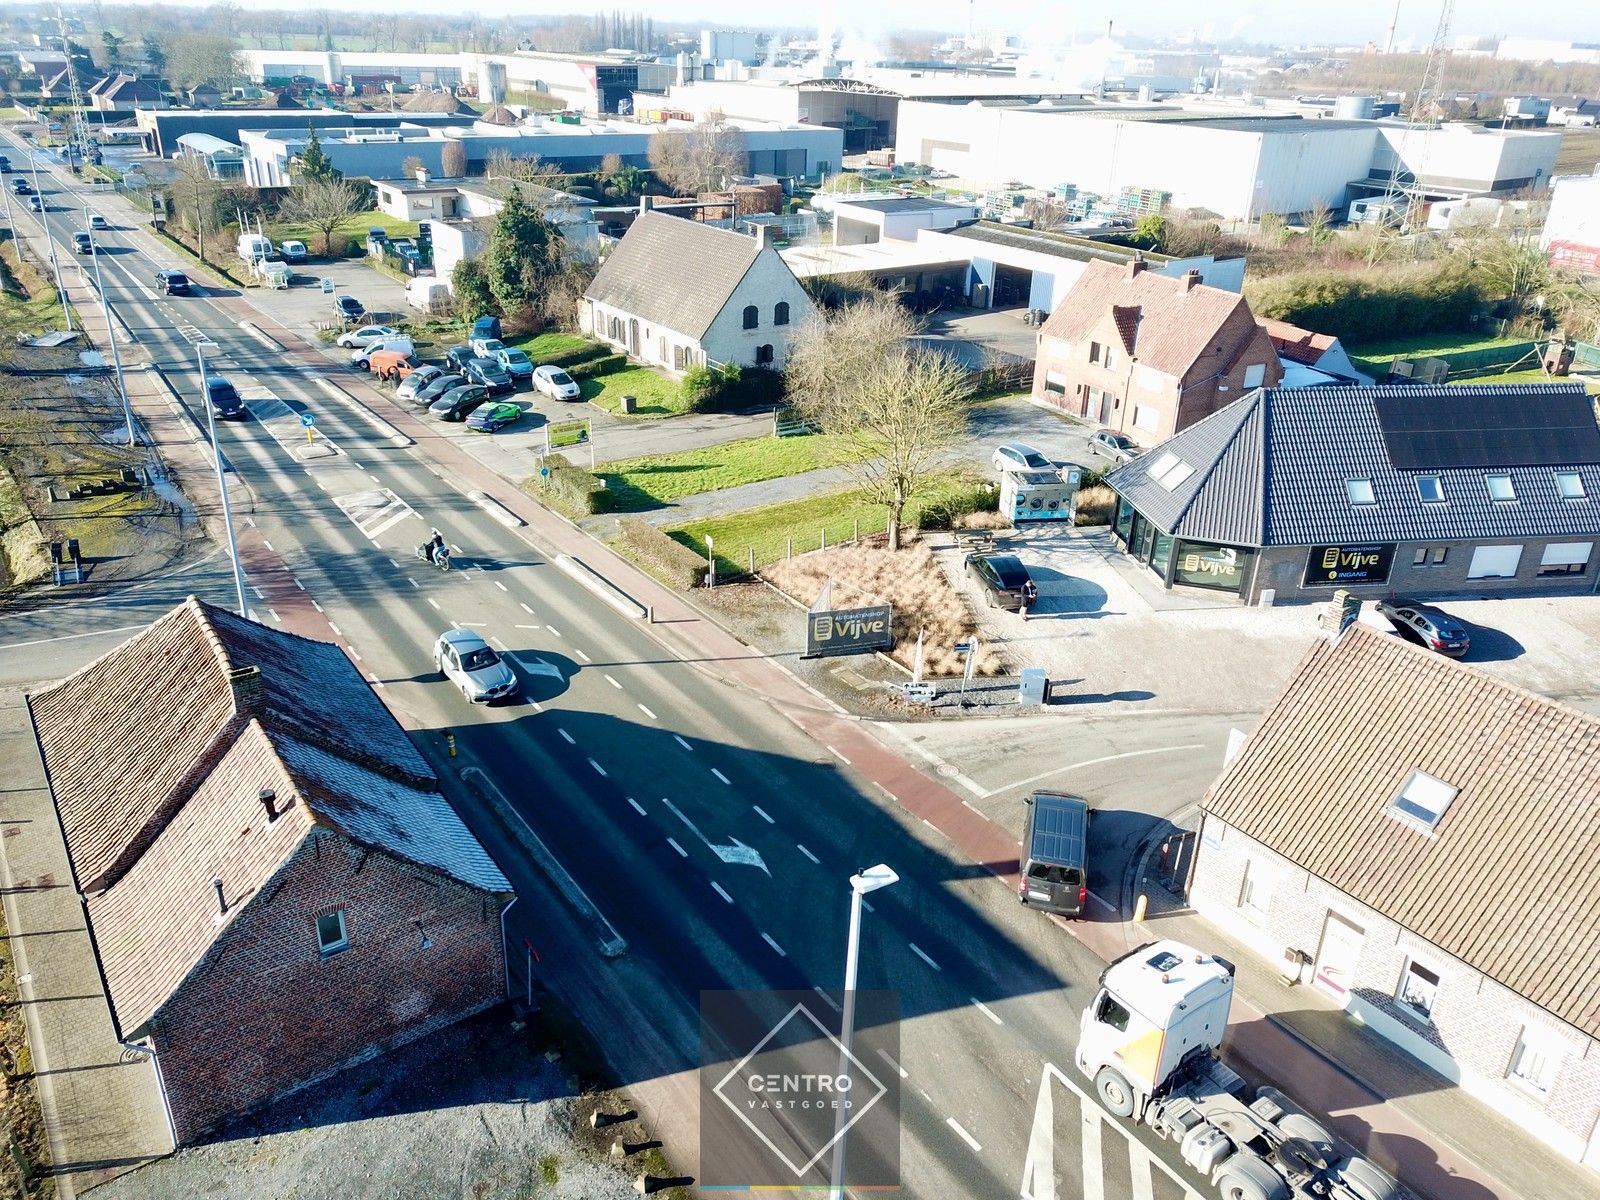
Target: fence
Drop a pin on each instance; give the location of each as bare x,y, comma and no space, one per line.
741,559
1586,354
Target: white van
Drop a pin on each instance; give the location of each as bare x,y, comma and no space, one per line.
253,246
430,295
361,355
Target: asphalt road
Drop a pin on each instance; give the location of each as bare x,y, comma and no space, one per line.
638,772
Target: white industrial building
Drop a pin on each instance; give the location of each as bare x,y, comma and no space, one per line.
1235,167
1572,228
1547,50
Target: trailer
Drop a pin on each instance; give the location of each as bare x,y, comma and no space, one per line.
1149,1042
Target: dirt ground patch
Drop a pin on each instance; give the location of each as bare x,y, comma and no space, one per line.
910,580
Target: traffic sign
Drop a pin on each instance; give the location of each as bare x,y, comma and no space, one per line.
308,419
327,287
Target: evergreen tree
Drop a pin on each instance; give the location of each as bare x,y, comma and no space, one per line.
524,253
315,165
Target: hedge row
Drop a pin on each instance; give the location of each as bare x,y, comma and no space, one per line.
1374,304
571,358
598,366
569,488
668,560
972,495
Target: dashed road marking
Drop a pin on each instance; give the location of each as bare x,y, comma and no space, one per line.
920,953
646,712
432,601
762,813
582,655
832,1003
839,756
679,739
335,628
598,769
267,544
987,1011
767,938
275,615
808,854
717,887
964,1135
722,777
413,582
613,683
637,807
553,630
501,586
316,606
525,608
260,595
355,654
297,583
673,842
904,1074
567,736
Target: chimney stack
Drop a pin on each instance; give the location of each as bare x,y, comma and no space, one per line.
1343,611
1191,280
269,800
222,904
1137,265
768,235
646,203
247,690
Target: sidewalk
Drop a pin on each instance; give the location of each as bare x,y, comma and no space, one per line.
102,1105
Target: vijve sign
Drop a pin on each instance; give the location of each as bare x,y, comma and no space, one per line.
849,630
1348,564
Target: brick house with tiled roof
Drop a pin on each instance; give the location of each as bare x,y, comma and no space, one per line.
1423,833
1149,354
275,886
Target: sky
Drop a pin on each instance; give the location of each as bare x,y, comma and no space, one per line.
1349,21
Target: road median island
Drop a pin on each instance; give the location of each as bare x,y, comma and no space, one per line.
587,577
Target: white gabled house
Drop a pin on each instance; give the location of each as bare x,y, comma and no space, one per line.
678,294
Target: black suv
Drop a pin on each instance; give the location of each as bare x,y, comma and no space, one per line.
21,186
349,307
172,283
1004,580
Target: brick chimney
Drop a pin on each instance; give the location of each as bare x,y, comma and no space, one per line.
1191,280
247,691
1137,265
1342,611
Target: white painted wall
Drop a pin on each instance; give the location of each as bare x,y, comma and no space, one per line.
768,281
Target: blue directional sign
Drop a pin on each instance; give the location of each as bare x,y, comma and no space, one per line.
308,419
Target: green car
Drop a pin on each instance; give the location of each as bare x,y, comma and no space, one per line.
487,418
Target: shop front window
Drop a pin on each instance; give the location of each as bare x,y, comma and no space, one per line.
1124,519
1161,554
1219,567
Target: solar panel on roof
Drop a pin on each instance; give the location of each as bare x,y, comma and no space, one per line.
1502,427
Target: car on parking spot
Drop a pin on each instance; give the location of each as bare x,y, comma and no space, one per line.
1432,627
491,374
1004,580
1014,456
21,186
365,336
349,307
96,221
292,251
553,381
84,241
455,404
467,661
457,357
224,399
36,204
172,283
428,393
392,366
416,379
487,418
361,356
517,364
1118,447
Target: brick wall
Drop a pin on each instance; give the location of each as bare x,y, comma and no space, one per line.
1475,1022
1218,379
265,1012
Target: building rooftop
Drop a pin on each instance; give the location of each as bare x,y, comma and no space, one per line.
904,204
1059,245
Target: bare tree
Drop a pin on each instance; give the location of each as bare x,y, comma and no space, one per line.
323,205
194,198
412,167
529,168
854,374
702,159
609,166
1319,223
453,160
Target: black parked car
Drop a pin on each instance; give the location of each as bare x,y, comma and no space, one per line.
455,404
21,186
1004,580
172,283
491,374
1433,627
439,387
349,307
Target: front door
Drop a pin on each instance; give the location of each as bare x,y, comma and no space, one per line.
1338,955
633,337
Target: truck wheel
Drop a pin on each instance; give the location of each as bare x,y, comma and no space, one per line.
1114,1092
1366,1180
1298,1125
1251,1179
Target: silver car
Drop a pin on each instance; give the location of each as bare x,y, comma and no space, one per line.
467,661
417,380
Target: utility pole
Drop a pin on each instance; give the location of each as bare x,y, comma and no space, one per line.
111,333
222,482
49,240
80,125
1388,45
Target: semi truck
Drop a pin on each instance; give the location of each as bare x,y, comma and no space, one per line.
1149,1043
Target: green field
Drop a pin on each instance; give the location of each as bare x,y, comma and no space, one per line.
542,346
10,113
354,227
638,484
1375,357
1534,376
658,396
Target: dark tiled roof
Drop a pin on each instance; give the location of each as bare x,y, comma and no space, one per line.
1055,244
674,272
1493,884
1270,470
907,205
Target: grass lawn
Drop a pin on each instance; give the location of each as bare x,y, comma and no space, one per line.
658,395
10,113
1534,376
637,484
540,346
768,529
352,227
1376,356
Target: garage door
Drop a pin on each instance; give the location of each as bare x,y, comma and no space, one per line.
1495,562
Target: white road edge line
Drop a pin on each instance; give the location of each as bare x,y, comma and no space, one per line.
1088,762
986,1010
964,1135
922,954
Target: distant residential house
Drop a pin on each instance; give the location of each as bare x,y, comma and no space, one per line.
1149,354
1320,352
59,85
46,65
126,93
204,95
275,885
1574,111
1420,837
678,294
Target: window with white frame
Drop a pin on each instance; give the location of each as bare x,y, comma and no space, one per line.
1500,488
1494,562
1360,491
1565,558
1255,892
331,935
1423,798
1418,988
1569,485
1055,383
1535,1061
1430,489
1255,374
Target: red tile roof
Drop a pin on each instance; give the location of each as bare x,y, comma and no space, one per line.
1500,881
1296,344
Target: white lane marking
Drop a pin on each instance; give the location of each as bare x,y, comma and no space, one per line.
275,615
525,608
581,655
553,630
964,1135
808,854
1088,762
613,683
767,938
598,769
250,521
684,744
646,711
922,954
839,756
717,887
762,813
867,904
394,564
67,637
413,582
431,601
722,777
316,606
260,595
267,544
376,682
884,1054
673,842
499,645
472,624
529,627
987,1011
637,807
355,654
297,582
501,586
831,1002
336,630
568,736
1094,1187
373,477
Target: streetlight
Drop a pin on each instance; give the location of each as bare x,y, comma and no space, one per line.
49,240
222,483
111,334
869,879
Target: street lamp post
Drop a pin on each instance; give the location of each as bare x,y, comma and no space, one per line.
869,879
111,334
49,240
222,482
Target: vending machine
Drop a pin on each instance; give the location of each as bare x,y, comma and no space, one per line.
1040,495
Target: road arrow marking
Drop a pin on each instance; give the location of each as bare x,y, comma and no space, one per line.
738,852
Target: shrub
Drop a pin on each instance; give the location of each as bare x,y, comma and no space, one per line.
1095,504
569,489
570,358
668,560
1372,304
598,366
708,389
950,509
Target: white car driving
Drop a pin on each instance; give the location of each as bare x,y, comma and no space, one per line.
467,661
366,335
553,381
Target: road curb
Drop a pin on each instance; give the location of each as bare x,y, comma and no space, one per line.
587,577
496,510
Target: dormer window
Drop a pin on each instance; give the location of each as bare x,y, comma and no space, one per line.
1423,798
1430,489
1500,488
1569,485
1360,491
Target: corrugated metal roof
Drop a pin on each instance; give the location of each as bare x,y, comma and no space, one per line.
1285,484
1499,882
675,273
1057,245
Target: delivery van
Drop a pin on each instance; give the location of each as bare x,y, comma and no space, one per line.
1055,843
428,294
